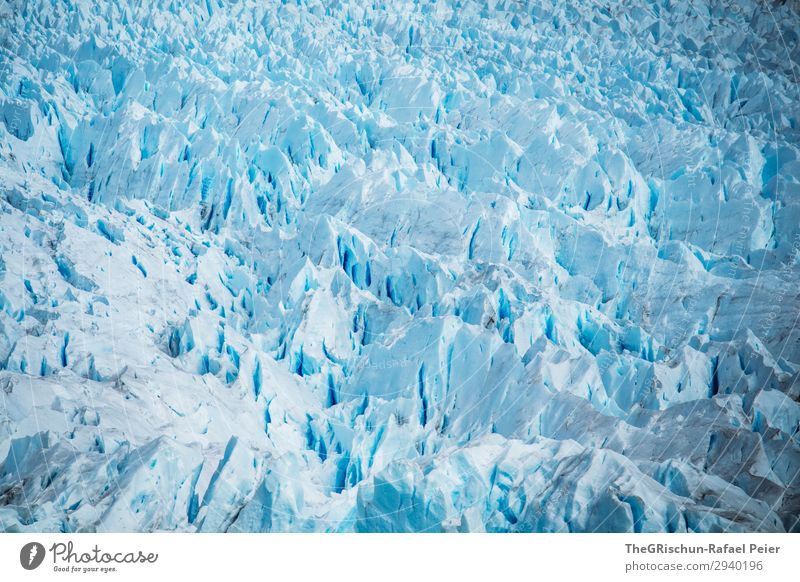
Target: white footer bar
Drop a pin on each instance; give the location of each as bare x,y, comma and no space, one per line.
418,557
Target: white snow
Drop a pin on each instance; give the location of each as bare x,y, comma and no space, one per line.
429,266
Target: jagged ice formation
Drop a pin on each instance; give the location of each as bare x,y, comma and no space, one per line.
430,266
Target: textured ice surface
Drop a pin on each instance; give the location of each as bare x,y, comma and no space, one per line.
441,266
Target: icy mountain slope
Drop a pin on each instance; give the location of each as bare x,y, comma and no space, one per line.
436,266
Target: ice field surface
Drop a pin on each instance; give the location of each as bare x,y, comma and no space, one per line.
419,267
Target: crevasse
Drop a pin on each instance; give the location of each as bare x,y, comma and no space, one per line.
422,266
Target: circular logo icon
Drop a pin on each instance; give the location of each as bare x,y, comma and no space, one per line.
31,555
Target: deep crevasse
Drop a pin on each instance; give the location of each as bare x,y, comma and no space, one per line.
419,267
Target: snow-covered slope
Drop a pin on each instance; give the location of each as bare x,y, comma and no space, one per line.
429,266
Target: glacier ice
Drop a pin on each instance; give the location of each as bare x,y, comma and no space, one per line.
421,266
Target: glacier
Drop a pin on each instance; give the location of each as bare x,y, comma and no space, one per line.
421,266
